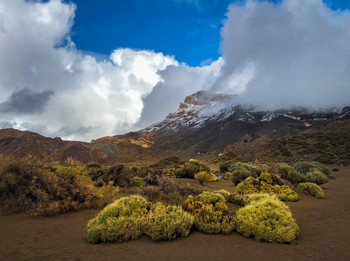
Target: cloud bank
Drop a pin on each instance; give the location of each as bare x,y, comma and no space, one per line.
274,55
293,53
50,87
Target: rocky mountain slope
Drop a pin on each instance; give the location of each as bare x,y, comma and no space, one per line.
204,124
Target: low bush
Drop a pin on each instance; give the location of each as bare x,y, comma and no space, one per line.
316,176
138,182
225,165
253,169
170,192
28,185
322,168
312,189
118,222
128,218
223,193
210,213
313,172
227,175
204,176
229,197
287,172
191,168
95,170
152,176
267,183
119,175
167,223
239,175
267,218
303,167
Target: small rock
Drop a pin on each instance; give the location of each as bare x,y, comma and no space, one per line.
294,242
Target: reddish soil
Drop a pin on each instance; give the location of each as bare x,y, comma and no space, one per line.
324,226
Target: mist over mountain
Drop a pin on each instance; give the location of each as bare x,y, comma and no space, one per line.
286,54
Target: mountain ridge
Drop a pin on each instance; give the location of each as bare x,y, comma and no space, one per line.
205,123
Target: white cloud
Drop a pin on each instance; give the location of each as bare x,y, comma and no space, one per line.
299,50
72,94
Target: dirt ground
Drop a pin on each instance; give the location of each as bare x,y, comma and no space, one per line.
324,226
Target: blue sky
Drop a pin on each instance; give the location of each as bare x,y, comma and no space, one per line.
187,29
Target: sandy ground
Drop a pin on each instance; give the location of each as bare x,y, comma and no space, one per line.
324,225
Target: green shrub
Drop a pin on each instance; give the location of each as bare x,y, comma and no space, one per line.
227,175
239,199
28,185
130,217
229,197
138,182
191,168
95,170
312,189
204,176
239,175
287,172
120,221
210,213
119,175
323,169
223,193
169,191
254,171
166,223
225,165
316,176
214,199
267,218
267,183
305,168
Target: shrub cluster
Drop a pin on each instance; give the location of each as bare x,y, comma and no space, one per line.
311,188
267,218
138,182
239,171
28,185
267,183
239,175
169,191
224,167
307,172
119,221
204,176
210,213
191,168
166,223
130,217
119,175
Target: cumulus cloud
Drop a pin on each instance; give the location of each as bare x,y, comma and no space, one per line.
286,54
48,86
